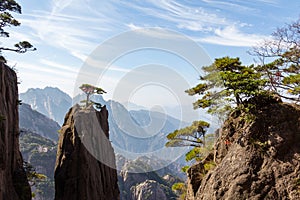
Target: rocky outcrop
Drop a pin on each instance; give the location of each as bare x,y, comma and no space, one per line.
13,181
150,190
85,164
138,181
255,157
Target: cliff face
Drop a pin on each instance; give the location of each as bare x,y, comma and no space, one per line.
13,181
85,163
253,158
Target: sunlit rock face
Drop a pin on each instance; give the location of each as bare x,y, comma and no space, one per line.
254,158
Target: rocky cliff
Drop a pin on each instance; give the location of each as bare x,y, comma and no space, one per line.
13,181
85,164
256,157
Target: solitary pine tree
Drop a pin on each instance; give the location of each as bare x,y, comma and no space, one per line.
90,90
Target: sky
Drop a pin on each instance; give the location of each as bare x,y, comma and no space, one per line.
126,38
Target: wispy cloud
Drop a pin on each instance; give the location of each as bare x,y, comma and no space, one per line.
78,31
156,32
203,21
32,75
194,18
74,28
237,6
50,71
272,2
80,55
58,66
67,27
99,65
241,5
231,36
58,31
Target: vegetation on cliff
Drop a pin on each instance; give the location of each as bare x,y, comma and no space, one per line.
260,159
232,90
89,90
39,154
279,59
227,84
7,20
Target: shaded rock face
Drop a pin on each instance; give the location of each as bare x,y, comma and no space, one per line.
195,175
255,158
150,190
37,122
13,181
78,174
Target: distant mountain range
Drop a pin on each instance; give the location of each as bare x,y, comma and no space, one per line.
134,132
49,101
34,121
137,135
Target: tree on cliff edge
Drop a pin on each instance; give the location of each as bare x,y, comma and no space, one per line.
90,90
7,20
227,84
280,61
191,136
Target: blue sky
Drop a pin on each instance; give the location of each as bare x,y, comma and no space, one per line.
66,32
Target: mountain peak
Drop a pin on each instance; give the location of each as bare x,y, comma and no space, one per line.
49,101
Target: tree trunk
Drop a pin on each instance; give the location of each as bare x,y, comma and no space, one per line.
87,100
